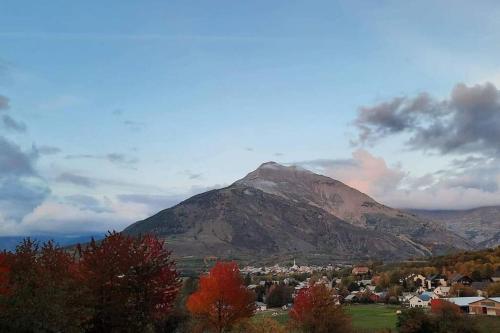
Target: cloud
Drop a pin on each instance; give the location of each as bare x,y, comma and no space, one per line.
154,202
14,161
466,122
47,150
56,218
11,124
192,175
87,202
21,188
115,158
4,103
157,202
71,178
20,195
364,172
467,183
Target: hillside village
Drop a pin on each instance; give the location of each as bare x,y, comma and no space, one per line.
355,284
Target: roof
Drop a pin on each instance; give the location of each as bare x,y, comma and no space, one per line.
494,299
456,277
443,288
463,301
360,270
480,285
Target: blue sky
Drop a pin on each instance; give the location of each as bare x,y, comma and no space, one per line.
129,106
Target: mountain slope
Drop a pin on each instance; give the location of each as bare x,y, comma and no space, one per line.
348,204
277,210
479,225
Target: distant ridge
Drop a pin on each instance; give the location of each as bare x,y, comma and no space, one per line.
479,225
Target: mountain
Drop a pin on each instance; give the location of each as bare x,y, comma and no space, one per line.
479,225
289,211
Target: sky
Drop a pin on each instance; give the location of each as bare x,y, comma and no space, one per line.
111,111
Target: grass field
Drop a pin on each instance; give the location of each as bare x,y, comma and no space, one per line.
367,318
372,316
279,315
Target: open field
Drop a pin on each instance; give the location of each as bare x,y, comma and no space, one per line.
279,315
364,317
372,316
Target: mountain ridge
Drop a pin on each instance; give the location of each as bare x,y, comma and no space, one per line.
278,210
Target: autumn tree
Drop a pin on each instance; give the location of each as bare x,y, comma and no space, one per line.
493,290
132,282
315,311
460,290
4,274
414,320
44,291
222,300
278,295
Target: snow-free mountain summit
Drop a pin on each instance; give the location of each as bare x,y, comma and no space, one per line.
281,210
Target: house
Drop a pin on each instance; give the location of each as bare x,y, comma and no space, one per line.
405,297
487,306
352,298
420,301
365,282
462,279
436,280
261,306
360,271
463,302
442,291
430,294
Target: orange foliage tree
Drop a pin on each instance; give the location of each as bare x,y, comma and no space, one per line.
315,311
222,299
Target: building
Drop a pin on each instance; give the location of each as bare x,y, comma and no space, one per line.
420,301
463,302
360,271
437,280
352,298
487,306
442,291
462,279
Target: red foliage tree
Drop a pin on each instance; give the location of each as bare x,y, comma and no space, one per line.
222,298
133,281
4,274
315,311
43,292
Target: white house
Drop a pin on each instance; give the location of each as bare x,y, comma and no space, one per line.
442,291
420,301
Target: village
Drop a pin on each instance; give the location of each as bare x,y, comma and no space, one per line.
361,285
